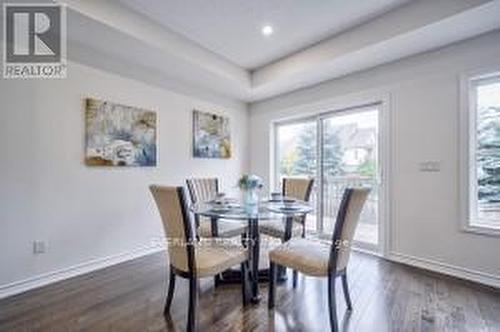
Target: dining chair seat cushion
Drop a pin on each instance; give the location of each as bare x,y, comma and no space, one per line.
214,257
276,228
308,256
225,228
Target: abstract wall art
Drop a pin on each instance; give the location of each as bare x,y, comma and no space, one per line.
211,135
118,135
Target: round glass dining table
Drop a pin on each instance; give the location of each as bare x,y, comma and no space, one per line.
283,209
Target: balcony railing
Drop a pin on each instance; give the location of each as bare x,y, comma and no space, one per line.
333,189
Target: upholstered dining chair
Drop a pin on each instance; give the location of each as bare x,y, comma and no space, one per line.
320,259
298,188
204,190
188,257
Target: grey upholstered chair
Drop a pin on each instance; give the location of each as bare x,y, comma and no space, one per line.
320,259
189,258
298,188
204,190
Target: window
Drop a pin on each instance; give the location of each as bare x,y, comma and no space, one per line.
339,148
296,149
484,154
296,156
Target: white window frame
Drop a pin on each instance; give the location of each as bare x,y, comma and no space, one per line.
468,173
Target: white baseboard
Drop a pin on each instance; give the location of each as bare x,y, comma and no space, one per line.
448,269
75,270
89,266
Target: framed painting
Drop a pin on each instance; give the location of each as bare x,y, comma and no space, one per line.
119,135
211,135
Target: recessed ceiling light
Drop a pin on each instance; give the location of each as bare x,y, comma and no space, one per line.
267,30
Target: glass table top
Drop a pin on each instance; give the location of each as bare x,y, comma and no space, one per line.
267,209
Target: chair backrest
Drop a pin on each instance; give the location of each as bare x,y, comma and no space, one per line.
202,189
171,202
350,208
299,188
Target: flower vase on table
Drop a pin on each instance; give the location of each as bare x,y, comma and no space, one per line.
250,186
251,201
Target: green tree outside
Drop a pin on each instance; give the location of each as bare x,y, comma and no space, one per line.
302,160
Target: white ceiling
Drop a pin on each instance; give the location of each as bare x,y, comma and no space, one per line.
161,56
231,28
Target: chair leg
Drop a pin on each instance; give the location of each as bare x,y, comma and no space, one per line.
244,240
294,280
345,287
170,294
244,282
332,304
272,285
193,294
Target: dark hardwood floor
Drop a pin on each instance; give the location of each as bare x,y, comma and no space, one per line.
130,297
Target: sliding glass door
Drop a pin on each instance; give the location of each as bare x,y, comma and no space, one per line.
349,158
339,149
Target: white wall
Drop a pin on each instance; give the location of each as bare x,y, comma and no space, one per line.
424,120
87,214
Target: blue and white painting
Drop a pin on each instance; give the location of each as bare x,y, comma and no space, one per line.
118,135
212,138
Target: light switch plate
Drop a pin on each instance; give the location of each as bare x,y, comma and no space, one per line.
39,247
430,166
